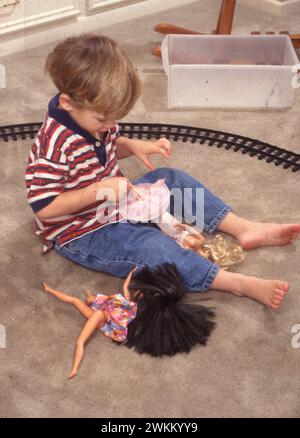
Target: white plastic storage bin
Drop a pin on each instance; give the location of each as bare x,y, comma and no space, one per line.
229,71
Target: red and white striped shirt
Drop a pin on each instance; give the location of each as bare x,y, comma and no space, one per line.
64,157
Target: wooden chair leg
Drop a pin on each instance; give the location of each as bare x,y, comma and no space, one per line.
156,51
225,20
224,27
166,28
296,40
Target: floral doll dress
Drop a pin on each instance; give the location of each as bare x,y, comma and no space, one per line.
120,312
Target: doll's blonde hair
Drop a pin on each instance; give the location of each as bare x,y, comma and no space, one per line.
223,252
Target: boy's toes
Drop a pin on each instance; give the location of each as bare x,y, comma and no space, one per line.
282,285
295,228
276,301
275,306
279,294
293,238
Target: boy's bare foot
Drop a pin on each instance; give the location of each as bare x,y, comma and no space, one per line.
268,292
257,234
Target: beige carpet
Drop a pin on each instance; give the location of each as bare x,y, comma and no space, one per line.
249,368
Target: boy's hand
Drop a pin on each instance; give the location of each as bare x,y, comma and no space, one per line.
143,149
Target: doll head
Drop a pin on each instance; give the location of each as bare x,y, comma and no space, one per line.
223,252
164,324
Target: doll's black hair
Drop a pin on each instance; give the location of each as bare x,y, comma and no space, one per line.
164,325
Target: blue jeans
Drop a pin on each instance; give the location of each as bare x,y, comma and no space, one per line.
117,247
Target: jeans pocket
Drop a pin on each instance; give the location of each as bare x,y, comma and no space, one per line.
56,245
61,248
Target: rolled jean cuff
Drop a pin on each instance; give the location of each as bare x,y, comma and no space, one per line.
211,275
214,224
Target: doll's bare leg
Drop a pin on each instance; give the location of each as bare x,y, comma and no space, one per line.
80,305
83,308
97,319
268,292
252,234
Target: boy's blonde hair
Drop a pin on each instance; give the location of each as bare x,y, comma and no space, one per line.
95,73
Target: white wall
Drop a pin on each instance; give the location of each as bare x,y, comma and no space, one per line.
31,23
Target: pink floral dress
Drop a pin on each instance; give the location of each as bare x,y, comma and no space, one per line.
120,312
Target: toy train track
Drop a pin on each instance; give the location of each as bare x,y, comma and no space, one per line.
254,148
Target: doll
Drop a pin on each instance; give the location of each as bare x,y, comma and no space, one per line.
149,201
150,316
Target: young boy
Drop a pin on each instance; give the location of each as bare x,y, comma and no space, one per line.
75,158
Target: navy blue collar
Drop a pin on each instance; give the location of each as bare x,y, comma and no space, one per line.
65,119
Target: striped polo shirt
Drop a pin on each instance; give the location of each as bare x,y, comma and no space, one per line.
65,157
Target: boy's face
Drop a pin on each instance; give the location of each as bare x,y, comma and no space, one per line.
88,119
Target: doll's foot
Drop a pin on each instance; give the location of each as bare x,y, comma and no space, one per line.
72,374
60,295
268,292
258,234
46,287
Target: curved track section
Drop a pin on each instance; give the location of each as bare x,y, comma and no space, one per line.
237,143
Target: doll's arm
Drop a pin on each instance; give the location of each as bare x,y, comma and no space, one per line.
126,291
88,293
97,320
89,297
50,289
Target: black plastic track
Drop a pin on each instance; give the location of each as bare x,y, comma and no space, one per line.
254,148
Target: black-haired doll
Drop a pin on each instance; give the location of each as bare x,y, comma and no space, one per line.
149,316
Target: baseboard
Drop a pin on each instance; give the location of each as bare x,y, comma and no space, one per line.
96,6
39,20
276,7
